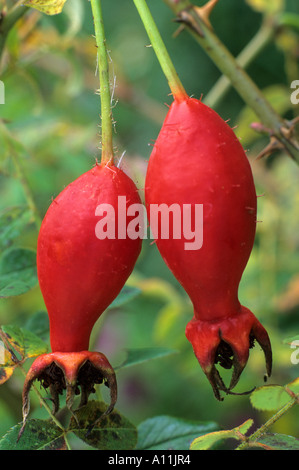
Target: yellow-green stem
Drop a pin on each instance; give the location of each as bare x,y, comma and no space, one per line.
103,67
161,52
264,428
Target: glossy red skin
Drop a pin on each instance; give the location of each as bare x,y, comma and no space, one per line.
79,274
197,159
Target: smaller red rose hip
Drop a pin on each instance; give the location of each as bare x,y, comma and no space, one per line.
79,276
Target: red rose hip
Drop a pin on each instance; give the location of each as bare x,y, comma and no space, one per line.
80,275
198,160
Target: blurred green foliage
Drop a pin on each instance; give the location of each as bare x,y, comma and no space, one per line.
52,112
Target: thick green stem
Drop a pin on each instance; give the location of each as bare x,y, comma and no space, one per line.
106,113
161,52
272,123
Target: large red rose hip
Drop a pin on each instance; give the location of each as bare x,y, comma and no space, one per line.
196,160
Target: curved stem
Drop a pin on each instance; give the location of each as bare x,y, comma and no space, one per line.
106,113
161,52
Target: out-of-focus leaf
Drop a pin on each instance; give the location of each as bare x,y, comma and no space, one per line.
269,397
38,435
12,221
209,440
294,386
49,7
126,294
167,432
27,344
291,20
38,324
115,432
291,340
137,356
17,271
75,13
264,6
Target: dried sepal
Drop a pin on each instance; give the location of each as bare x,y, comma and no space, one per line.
227,342
75,372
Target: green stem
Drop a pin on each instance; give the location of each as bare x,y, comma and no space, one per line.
272,123
161,52
106,113
264,428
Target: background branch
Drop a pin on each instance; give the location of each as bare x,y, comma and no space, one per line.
271,123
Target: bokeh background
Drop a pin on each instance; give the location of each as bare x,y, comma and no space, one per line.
52,110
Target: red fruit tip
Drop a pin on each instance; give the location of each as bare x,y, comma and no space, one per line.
227,342
70,371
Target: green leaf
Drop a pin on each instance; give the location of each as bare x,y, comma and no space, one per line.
49,7
166,432
279,442
209,440
27,344
38,323
126,294
137,356
12,223
115,432
269,397
17,271
38,435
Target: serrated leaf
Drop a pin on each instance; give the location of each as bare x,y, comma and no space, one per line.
269,397
115,432
17,271
12,222
126,294
27,344
137,356
38,435
167,432
209,440
243,428
279,442
49,7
